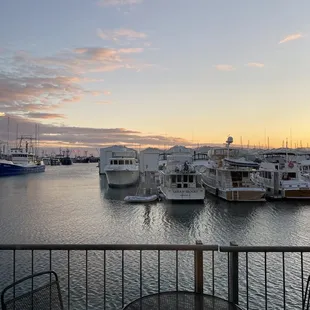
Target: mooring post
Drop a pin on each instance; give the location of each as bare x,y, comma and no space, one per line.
233,276
198,268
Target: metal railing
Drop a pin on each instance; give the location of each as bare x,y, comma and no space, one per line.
109,276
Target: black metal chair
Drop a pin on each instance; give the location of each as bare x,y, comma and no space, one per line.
306,298
45,296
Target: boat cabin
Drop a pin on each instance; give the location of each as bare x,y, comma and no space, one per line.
122,161
19,156
176,180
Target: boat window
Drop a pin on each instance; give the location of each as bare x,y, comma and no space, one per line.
190,178
179,178
236,176
126,162
121,162
115,162
111,162
173,179
185,185
179,185
185,178
245,174
292,175
130,162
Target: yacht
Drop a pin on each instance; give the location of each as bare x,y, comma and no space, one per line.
23,160
179,180
229,177
280,175
122,171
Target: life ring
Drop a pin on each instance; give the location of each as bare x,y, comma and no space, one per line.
291,164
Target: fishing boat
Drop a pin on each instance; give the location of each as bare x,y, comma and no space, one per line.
23,160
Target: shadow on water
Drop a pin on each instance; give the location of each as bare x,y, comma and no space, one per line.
115,193
184,214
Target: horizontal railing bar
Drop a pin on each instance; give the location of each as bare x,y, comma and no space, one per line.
264,249
153,247
110,247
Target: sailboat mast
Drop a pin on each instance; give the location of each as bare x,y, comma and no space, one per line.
8,142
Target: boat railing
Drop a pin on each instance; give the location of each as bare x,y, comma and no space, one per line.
107,276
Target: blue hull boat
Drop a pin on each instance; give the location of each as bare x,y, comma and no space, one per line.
9,169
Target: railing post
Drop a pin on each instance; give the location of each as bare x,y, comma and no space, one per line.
233,276
198,269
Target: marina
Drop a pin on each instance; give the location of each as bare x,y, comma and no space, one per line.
86,210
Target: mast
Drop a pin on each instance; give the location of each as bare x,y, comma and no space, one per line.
8,142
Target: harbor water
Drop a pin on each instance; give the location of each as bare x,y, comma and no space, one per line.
72,204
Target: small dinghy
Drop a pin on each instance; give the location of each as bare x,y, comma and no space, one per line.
141,199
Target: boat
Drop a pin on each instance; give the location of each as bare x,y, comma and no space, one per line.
280,175
227,176
64,157
179,180
122,171
141,199
23,160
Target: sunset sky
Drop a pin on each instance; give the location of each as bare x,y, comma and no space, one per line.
155,72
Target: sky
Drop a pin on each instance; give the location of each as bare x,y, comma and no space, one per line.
93,73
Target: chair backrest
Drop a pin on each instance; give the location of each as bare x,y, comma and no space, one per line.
45,296
306,298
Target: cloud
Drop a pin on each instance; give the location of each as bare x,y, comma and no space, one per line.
2,114
118,2
255,65
225,67
122,33
291,37
106,92
131,50
53,136
45,115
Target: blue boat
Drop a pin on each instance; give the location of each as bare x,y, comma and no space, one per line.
22,162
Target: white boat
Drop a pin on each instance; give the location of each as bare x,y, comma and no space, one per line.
179,180
228,177
141,199
122,171
280,175
304,167
23,160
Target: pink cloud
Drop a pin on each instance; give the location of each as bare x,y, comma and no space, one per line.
130,50
224,67
291,37
106,92
116,34
255,65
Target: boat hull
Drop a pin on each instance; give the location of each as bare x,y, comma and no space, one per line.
9,169
182,194
237,194
122,178
297,194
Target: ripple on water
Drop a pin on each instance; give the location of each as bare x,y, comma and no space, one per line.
74,205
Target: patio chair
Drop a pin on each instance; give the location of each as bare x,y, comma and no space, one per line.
45,296
306,298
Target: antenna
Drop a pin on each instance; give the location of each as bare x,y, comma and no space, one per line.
268,142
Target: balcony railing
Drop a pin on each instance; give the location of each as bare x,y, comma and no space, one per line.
101,276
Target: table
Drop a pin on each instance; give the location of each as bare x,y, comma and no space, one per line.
181,301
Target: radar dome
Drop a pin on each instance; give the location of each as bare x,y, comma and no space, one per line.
230,140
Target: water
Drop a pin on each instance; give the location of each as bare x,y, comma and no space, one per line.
72,204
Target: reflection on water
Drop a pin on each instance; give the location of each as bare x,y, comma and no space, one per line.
74,205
